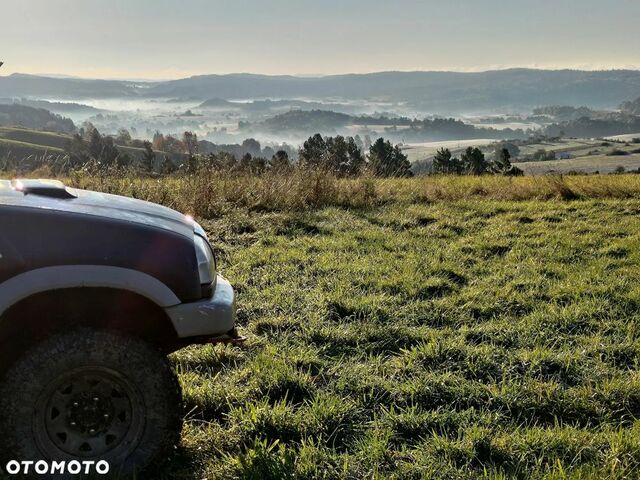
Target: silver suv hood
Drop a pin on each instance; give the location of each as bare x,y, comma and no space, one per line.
86,202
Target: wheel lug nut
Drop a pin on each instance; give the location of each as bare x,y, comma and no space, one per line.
75,404
92,431
96,399
106,415
73,424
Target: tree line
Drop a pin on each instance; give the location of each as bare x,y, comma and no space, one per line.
340,156
473,162
297,121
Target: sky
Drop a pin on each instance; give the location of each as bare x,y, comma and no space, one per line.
163,39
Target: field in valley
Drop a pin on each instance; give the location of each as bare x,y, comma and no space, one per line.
418,328
426,150
629,137
583,155
586,164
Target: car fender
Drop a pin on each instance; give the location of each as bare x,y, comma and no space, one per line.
46,279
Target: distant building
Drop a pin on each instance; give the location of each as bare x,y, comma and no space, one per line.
563,155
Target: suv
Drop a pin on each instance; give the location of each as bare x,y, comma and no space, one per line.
95,291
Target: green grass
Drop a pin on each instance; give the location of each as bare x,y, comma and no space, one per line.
467,338
444,327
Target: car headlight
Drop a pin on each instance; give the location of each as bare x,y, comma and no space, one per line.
206,260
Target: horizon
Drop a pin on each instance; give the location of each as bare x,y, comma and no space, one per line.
160,40
317,75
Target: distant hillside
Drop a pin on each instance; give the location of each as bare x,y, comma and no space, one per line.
564,113
438,92
217,103
56,107
615,124
21,85
434,91
632,107
268,105
36,118
306,122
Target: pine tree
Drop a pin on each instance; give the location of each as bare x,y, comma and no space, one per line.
474,161
385,160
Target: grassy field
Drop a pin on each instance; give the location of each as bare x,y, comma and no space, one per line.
586,155
18,142
23,143
575,146
48,140
425,151
586,164
629,137
419,328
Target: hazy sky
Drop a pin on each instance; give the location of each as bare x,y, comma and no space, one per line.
171,38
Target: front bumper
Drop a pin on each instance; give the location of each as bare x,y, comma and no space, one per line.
212,317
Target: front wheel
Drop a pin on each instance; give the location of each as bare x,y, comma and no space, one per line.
90,395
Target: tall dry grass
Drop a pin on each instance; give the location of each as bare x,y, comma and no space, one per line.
209,194
212,193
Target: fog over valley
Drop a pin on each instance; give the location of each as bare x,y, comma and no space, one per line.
261,114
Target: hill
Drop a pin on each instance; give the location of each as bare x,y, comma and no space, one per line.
49,140
54,107
218,103
401,129
22,85
585,127
441,92
302,121
35,118
22,144
563,113
632,107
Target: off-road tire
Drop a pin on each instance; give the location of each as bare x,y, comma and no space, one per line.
101,367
